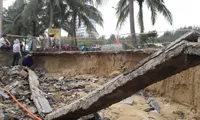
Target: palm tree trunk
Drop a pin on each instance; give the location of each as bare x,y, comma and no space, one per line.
132,22
74,29
141,20
51,14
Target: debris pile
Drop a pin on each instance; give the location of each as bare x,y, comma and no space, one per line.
13,80
63,91
40,95
31,89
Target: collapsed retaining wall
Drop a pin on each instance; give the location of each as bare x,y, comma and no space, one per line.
183,87
100,64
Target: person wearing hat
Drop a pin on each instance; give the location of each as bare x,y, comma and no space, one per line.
27,60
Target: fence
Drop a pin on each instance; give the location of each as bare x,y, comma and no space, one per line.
123,41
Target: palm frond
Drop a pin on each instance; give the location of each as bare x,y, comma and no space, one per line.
140,18
87,22
151,6
159,6
92,13
122,12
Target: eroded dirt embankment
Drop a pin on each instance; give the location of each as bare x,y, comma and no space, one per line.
183,88
101,64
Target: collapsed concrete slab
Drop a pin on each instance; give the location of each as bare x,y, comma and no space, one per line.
38,97
182,54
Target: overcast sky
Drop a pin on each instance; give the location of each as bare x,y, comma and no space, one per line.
184,14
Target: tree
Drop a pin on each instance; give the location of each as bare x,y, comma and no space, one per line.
112,37
150,36
38,15
155,6
170,36
81,13
125,7
25,17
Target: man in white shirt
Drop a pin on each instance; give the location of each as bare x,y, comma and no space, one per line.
4,43
16,52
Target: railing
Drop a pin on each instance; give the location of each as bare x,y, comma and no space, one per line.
120,42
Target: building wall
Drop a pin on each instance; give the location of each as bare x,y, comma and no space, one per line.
82,30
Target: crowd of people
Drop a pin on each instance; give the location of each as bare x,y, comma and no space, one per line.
16,48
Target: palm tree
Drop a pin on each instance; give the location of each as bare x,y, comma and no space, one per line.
154,6
125,7
38,15
32,15
12,19
81,12
132,21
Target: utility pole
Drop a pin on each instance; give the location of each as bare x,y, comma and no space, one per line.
1,16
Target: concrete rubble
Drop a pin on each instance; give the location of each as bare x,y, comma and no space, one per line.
58,91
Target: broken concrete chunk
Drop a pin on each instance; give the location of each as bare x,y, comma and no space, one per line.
2,116
61,78
88,117
32,109
143,93
94,80
9,116
15,70
129,101
38,97
3,94
12,85
153,103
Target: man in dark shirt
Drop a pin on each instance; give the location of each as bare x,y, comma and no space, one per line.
27,60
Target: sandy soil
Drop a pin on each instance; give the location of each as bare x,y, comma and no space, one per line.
169,111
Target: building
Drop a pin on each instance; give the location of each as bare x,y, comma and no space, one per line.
81,31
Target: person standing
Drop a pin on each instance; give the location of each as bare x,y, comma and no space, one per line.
4,43
16,52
